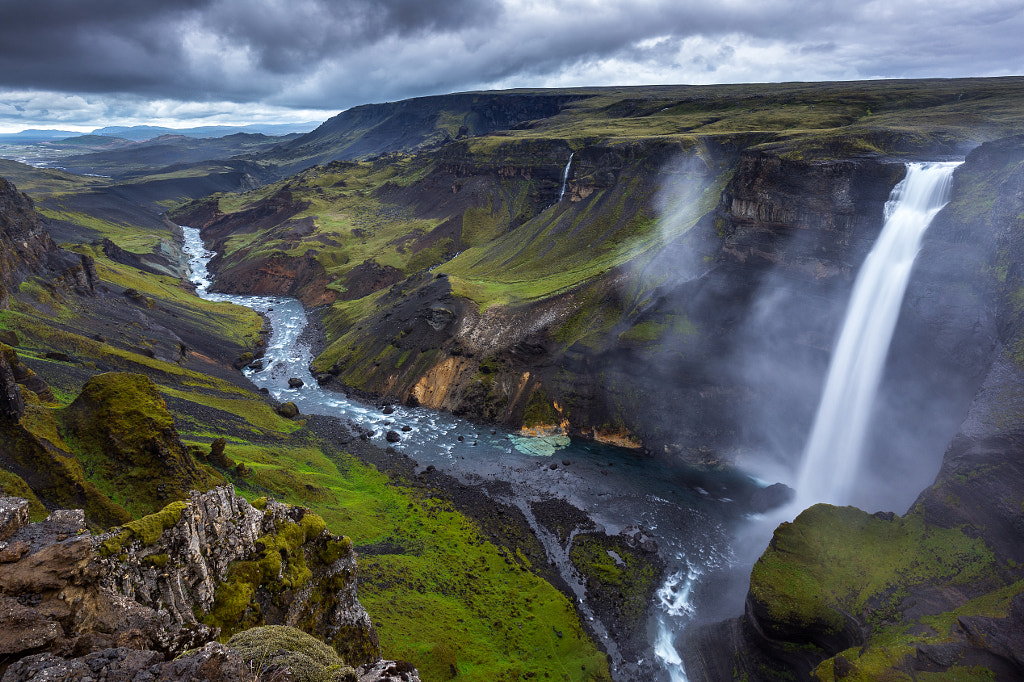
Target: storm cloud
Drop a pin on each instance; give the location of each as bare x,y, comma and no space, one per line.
83,62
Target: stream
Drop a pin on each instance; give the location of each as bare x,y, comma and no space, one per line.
618,489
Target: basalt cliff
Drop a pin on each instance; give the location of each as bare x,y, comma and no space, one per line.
844,594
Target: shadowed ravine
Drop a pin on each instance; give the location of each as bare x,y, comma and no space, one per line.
615,488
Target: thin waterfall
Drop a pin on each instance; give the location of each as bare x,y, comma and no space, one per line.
833,452
565,176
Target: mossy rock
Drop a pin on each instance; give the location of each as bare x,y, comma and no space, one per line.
15,486
54,475
836,570
146,530
540,410
288,410
282,647
125,438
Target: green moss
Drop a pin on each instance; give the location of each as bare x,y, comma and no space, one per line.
835,560
540,410
279,565
15,486
644,332
145,531
125,438
617,575
157,560
449,585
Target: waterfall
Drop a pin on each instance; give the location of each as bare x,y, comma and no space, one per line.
833,452
565,175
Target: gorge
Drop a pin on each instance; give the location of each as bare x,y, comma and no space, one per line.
590,359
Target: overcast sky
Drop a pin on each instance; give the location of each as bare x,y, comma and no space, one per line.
82,64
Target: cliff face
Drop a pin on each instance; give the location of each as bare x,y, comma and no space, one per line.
658,331
126,603
841,594
26,250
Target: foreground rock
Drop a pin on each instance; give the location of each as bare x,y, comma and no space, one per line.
124,604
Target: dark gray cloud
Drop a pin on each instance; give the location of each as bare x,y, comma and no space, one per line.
69,60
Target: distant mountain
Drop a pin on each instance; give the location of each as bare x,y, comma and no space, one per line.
35,135
139,133
372,129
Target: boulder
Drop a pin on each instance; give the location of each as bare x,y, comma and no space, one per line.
288,410
13,516
295,382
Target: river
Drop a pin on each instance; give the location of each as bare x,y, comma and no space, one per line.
617,489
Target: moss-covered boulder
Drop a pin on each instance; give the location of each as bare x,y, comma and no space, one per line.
279,647
125,438
838,582
33,452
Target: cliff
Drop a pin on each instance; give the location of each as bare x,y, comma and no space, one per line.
842,594
578,239
147,600
26,249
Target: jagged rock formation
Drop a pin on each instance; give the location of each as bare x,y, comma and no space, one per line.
125,603
26,249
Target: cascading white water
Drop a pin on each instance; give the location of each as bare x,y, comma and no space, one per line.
833,452
565,176
674,600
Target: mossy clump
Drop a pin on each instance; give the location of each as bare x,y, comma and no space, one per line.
282,647
279,566
617,575
54,474
15,486
540,410
217,456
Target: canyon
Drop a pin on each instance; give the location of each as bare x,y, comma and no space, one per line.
664,270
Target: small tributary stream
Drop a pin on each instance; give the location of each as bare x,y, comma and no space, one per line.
616,488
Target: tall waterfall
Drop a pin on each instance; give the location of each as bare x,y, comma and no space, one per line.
833,452
565,176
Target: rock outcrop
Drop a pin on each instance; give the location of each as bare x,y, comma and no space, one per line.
26,250
124,604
